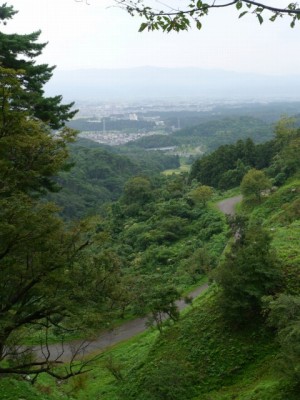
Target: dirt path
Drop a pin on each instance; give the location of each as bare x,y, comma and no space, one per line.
128,329
227,206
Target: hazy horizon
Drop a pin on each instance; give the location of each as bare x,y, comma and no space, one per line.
162,82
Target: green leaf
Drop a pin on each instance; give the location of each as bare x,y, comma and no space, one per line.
199,25
239,5
243,13
260,18
143,26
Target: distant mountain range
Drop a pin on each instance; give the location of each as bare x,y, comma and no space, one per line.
156,83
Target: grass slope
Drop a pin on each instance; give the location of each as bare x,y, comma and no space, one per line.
20,389
280,213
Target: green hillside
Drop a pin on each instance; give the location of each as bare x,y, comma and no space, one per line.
98,175
204,356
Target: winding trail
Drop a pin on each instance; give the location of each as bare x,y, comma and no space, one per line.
105,339
125,331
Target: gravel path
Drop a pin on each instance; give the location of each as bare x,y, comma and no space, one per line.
126,330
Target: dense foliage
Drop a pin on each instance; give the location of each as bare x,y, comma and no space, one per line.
160,229
225,167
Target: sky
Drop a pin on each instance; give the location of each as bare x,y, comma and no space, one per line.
100,35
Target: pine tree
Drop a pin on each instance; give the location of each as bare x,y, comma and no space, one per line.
19,52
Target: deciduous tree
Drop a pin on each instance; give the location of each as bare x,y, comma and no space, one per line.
201,195
254,183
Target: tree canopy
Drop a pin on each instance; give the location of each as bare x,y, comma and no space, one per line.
254,183
172,18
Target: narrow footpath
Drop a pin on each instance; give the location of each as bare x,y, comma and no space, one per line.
125,331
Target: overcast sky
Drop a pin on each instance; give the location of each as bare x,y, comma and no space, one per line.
98,36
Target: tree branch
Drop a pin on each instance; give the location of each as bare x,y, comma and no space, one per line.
178,20
294,11
205,7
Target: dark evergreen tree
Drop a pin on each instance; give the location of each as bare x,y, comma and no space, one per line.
19,52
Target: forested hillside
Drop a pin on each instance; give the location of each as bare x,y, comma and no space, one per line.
99,172
98,175
212,133
225,167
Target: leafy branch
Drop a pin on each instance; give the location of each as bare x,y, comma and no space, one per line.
169,19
